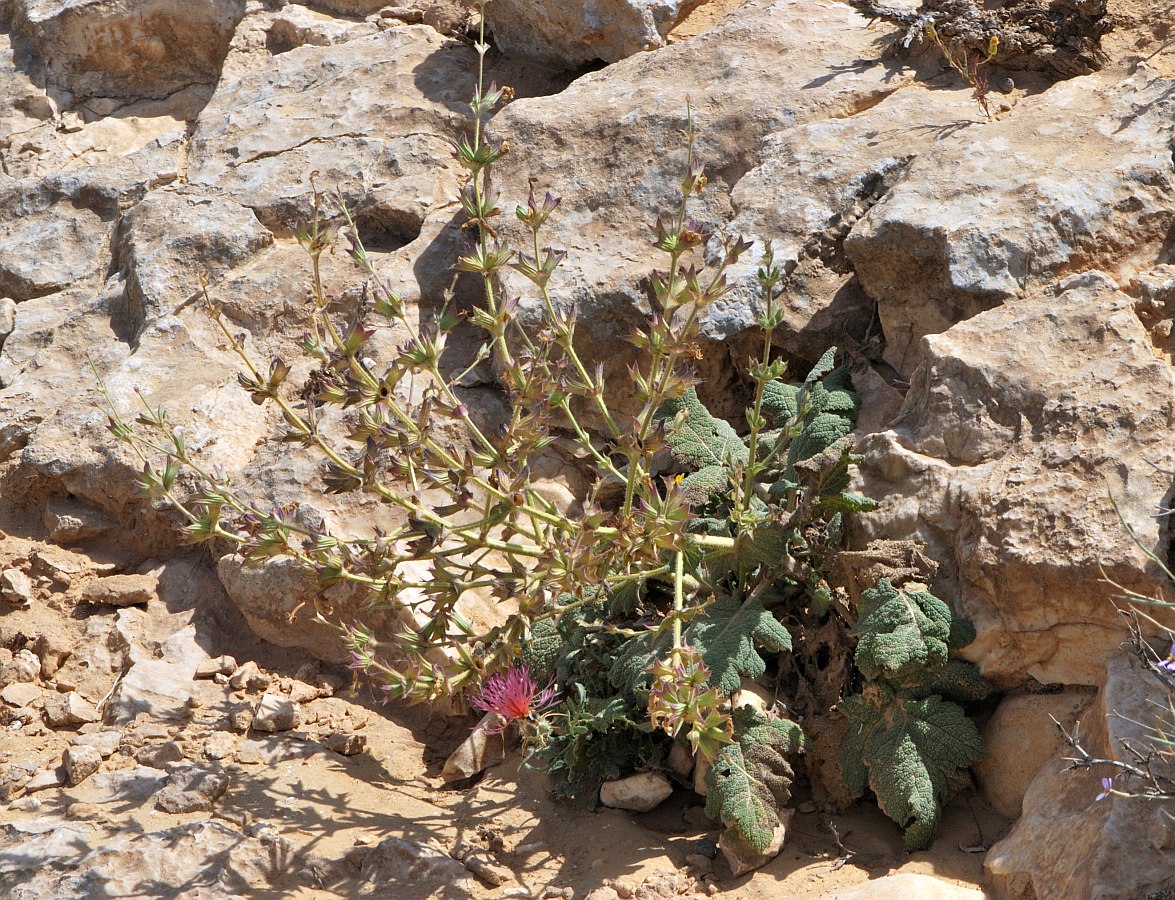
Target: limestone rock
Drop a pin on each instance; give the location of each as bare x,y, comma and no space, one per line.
81,762
398,861
15,587
220,745
24,666
191,789
478,752
385,147
22,693
978,222
69,522
67,861
169,240
1069,845
743,859
159,687
276,713
570,34
105,742
100,48
296,26
1018,425
63,710
121,590
906,886
610,146
639,793
1020,739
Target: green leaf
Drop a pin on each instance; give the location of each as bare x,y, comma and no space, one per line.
701,440
902,633
700,486
751,778
916,753
728,633
957,680
541,653
630,670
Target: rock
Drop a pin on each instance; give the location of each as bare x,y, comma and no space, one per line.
191,789
478,752
63,710
159,687
95,48
300,691
570,35
210,668
681,759
169,239
762,700
22,693
81,762
702,865
69,522
639,793
603,893
24,666
276,713
52,649
121,590
426,867
7,318
743,859
1017,428
594,142
161,755
701,768
345,744
15,587
1113,848
220,745
220,860
977,223
386,149
296,26
248,677
105,742
1020,739
44,780
906,886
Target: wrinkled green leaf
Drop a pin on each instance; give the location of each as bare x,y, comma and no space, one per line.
915,752
728,634
751,779
902,633
701,440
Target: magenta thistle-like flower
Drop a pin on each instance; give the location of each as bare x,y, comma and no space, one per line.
1107,789
514,696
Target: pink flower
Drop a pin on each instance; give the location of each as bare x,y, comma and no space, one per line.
514,696
1107,789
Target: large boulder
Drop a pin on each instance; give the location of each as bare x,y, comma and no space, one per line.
1069,845
611,146
571,33
1023,426
1076,178
108,48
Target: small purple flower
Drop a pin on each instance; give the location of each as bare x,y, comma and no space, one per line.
514,696
1169,662
1107,789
